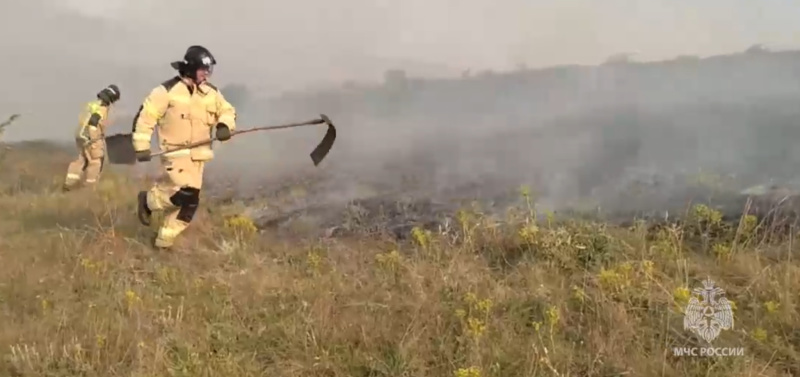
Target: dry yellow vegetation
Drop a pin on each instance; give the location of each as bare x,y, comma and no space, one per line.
81,293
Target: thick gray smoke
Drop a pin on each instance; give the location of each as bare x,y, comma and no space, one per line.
567,131
572,132
58,53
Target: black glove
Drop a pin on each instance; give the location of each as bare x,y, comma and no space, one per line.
143,156
223,132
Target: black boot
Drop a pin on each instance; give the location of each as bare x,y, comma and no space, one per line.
142,211
69,187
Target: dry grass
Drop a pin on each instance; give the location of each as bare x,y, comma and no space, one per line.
82,295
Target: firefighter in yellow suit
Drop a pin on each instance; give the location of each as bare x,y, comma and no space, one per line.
89,138
186,109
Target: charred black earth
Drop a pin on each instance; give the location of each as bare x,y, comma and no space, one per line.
309,206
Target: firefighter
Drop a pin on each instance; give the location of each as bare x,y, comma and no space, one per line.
89,138
186,108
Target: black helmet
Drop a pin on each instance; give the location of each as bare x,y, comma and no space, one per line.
109,94
196,57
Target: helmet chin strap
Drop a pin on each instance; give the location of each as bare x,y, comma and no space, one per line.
192,73
188,73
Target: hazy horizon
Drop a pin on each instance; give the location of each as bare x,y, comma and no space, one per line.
572,133
64,51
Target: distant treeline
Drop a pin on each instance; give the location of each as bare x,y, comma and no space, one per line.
741,78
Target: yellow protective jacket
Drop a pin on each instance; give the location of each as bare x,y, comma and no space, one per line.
184,114
93,110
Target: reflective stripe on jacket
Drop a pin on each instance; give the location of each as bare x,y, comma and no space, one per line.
84,130
184,114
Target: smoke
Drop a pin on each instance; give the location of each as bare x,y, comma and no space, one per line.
571,131
60,52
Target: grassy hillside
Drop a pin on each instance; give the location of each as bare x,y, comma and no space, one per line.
565,131
82,295
716,79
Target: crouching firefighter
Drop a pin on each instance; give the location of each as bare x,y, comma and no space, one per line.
90,139
186,109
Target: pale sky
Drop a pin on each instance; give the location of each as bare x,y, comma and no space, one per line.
464,33
278,45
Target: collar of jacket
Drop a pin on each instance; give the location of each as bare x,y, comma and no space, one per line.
202,88
96,104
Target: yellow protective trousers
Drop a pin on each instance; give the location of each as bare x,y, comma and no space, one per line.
176,193
88,164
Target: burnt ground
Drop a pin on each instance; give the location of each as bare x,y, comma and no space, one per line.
333,204
325,207
337,204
